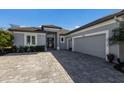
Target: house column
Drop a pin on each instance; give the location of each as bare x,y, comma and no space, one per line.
58,46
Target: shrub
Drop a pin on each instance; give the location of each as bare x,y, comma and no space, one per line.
110,57
22,49
32,49
7,50
14,49
118,35
6,40
40,48
26,49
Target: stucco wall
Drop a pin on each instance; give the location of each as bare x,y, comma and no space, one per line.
41,39
63,45
18,39
98,29
112,48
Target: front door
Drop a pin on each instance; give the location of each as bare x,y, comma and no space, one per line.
50,42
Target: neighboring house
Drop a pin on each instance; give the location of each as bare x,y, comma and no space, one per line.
90,39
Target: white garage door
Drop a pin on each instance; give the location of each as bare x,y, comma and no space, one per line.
93,45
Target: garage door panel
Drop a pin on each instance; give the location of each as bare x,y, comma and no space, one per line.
93,45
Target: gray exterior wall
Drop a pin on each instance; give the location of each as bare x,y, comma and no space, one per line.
112,48
63,45
18,39
109,27
41,40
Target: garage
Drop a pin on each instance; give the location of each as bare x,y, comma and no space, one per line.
92,44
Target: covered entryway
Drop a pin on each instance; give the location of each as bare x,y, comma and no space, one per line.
93,44
51,40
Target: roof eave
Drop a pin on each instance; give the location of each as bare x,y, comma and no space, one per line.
106,18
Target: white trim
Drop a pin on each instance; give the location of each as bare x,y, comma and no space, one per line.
58,48
68,43
73,41
58,45
30,34
77,36
54,41
121,18
93,27
96,33
93,34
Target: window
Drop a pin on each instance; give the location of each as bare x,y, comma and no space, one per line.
33,40
30,40
62,39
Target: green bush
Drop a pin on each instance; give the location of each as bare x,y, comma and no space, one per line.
22,49
118,35
6,40
40,48
26,48
32,49
14,48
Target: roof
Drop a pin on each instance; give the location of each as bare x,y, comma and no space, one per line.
26,29
64,31
61,30
37,29
97,21
52,26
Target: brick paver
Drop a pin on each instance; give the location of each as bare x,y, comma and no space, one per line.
33,68
56,67
88,69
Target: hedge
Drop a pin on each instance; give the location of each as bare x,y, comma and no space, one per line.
22,49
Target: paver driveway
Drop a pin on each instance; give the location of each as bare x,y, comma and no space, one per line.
85,68
33,68
57,66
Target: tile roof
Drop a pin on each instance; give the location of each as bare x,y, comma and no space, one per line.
52,26
26,29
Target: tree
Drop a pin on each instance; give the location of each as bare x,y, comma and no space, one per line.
118,35
6,39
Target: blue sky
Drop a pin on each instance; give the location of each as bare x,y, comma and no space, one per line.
68,19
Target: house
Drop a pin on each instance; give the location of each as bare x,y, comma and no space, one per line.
46,35
91,38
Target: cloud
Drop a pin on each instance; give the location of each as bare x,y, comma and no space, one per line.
23,26
77,26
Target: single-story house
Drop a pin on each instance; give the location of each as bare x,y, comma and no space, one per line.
92,38
46,35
